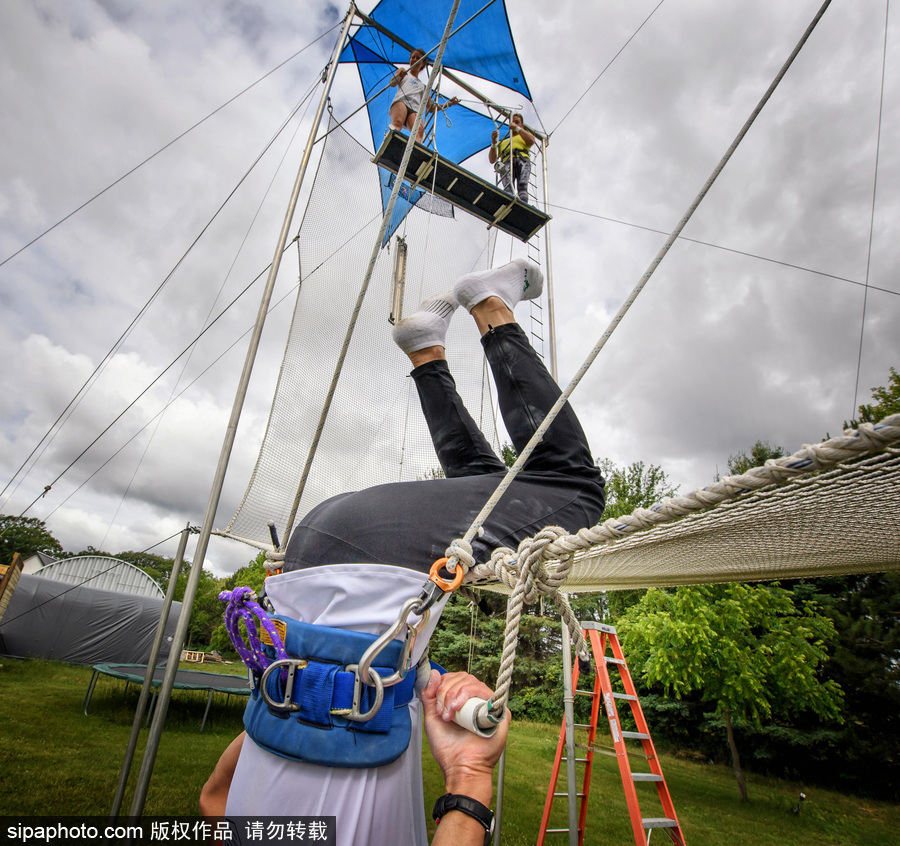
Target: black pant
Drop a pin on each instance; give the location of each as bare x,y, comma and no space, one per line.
410,524
526,392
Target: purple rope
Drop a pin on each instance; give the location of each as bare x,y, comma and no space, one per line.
242,605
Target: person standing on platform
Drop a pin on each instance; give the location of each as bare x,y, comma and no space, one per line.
511,159
408,98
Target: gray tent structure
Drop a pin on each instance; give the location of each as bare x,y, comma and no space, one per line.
82,625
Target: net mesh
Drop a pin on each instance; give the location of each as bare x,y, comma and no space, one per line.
375,431
828,522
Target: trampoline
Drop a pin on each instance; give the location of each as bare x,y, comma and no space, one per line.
184,680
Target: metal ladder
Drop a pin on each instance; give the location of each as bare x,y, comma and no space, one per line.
601,637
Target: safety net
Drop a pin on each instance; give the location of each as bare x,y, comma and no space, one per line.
831,508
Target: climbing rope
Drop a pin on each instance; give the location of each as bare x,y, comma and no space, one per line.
541,565
459,552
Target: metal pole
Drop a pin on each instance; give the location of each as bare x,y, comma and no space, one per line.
148,676
569,709
159,716
498,814
551,309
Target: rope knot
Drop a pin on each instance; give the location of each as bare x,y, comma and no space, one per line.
239,597
460,552
241,604
539,579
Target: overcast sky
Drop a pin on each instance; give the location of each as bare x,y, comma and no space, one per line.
755,333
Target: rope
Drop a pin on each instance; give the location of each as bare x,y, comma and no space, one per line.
541,565
459,552
241,604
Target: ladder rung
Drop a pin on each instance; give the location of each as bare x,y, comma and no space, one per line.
646,777
608,750
659,822
585,692
636,735
625,696
577,760
610,660
557,831
581,725
577,795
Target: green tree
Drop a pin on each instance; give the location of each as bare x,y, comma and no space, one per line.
886,401
635,486
758,455
627,488
746,650
26,535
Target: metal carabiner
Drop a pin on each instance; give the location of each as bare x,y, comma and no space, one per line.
369,656
354,715
291,665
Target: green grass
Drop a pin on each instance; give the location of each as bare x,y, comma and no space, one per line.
55,760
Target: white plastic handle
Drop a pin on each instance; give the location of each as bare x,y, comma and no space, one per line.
473,716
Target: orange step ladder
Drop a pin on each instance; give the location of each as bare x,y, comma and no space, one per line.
601,637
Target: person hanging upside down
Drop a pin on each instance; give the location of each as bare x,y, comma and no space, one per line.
516,169
408,98
354,560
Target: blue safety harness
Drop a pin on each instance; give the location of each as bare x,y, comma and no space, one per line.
307,701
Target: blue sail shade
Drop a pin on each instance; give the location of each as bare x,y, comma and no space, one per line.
483,47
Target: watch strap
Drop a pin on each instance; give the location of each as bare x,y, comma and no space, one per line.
455,802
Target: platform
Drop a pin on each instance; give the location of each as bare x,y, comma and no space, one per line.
466,191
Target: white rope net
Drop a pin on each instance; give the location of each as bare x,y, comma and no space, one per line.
830,508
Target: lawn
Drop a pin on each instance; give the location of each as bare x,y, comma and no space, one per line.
55,760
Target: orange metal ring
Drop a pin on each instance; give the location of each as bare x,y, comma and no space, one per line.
441,582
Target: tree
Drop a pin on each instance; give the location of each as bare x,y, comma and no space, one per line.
634,486
627,488
746,650
887,401
26,535
759,454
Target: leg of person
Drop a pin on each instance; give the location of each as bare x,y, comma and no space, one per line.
410,121
526,391
523,178
398,113
460,445
506,178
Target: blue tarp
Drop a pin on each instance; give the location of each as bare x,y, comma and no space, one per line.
483,47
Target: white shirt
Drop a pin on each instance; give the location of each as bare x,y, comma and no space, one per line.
410,90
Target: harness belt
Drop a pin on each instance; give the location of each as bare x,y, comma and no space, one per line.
298,705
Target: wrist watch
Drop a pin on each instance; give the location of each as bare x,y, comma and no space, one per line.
453,802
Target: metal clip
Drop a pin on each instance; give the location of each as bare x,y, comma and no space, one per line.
292,665
354,715
430,594
369,656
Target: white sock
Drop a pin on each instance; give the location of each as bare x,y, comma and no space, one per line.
426,327
519,280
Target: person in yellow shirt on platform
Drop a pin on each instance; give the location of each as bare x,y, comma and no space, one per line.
519,169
